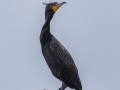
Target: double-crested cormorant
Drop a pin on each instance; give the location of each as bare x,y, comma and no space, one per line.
57,57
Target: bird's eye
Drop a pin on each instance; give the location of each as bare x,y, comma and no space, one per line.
50,5
53,4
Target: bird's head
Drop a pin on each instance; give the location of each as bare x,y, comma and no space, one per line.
52,7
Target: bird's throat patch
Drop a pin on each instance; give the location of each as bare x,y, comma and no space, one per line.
55,8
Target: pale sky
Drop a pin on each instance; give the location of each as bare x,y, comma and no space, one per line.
89,29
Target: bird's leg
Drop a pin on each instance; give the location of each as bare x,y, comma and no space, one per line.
63,86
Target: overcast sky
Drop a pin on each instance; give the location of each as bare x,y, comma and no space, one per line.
89,29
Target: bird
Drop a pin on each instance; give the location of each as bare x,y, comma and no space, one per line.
58,59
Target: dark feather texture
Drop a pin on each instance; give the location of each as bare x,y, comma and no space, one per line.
62,56
56,55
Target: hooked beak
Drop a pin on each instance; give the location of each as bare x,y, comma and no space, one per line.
60,4
57,5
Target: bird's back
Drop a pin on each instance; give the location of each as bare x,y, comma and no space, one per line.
63,57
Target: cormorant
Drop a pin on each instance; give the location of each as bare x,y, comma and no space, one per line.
57,57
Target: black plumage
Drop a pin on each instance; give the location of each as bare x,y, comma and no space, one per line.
57,57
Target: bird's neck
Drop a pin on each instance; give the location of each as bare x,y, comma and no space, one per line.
45,33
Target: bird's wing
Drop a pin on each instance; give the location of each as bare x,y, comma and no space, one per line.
63,57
